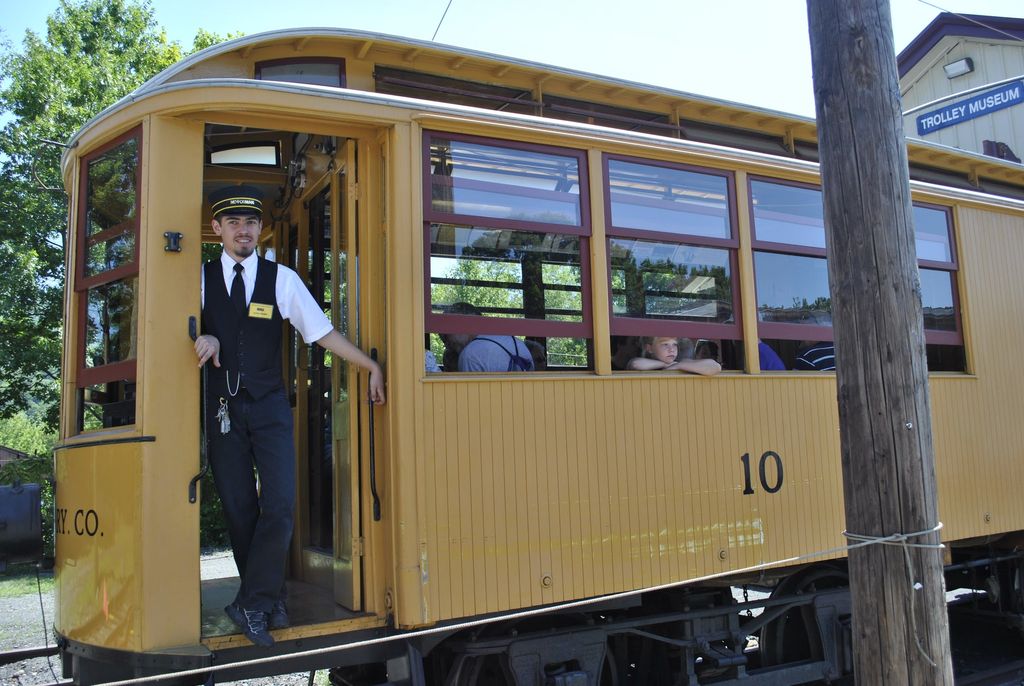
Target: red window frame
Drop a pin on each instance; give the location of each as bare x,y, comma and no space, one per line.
633,326
951,267
454,323
124,370
780,330
790,331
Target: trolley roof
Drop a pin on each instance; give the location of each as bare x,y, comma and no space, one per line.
233,59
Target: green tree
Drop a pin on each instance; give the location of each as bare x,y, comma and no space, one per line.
28,435
94,52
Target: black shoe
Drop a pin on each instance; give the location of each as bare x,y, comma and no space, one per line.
253,624
279,616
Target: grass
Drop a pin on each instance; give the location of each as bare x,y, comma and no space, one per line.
20,580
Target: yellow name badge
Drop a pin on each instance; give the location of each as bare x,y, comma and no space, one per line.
261,311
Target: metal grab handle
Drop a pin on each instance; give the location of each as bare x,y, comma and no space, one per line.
193,484
373,455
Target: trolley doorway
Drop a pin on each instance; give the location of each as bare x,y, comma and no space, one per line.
312,223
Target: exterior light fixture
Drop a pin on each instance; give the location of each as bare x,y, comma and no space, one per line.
959,68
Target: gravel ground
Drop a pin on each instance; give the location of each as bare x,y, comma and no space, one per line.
21,626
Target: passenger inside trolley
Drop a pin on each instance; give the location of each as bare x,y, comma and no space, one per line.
453,343
706,350
624,349
817,356
495,353
768,358
539,354
663,353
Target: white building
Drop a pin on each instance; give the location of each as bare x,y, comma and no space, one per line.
962,82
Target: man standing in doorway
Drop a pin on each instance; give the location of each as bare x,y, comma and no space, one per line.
245,300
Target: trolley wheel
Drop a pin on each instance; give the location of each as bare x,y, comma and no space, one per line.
794,636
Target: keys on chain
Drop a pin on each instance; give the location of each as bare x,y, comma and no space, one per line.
222,416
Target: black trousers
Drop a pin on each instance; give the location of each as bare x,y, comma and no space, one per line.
259,518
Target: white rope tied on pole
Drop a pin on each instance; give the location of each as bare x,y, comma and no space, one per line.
902,540
895,539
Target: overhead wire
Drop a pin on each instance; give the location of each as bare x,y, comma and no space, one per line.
447,7
973,20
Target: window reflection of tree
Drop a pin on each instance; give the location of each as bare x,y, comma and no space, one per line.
110,332
513,274
111,323
111,188
668,287
510,273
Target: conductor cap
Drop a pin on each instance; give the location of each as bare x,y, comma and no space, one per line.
237,200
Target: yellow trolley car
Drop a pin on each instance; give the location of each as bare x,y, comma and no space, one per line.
579,214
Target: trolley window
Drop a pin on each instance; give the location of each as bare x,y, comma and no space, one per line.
253,154
506,231
318,71
672,259
106,284
607,115
937,267
794,305
790,270
458,91
933,237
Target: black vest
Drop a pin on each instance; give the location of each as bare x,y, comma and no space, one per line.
250,346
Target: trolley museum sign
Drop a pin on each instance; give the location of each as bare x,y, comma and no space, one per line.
984,103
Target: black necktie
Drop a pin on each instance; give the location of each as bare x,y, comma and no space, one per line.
238,289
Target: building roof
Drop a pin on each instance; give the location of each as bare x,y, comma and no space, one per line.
963,25
10,455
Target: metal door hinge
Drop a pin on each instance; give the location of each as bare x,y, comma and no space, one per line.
358,547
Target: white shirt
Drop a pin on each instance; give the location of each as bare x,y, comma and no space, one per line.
294,301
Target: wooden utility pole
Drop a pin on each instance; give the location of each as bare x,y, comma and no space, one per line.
900,633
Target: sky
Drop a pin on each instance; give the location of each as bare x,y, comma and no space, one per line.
755,52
